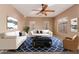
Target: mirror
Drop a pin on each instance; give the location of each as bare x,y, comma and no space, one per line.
12,23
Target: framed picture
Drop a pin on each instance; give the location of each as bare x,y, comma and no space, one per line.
74,25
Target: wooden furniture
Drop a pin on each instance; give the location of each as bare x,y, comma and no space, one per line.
71,43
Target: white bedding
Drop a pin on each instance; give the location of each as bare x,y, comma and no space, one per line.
11,40
20,40
46,33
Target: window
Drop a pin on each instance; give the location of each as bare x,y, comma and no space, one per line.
62,25
46,23
12,23
32,25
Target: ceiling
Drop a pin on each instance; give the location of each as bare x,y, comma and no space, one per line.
27,9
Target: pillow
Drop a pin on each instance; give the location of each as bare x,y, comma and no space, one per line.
37,31
45,31
74,37
20,33
24,33
41,32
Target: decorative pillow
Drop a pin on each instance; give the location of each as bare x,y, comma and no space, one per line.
41,32
24,33
20,33
45,31
37,31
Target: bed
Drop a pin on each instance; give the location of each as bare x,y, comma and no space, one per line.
26,46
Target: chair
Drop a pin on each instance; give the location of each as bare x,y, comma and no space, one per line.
71,43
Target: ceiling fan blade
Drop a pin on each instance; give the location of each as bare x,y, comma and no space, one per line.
35,10
38,13
49,11
44,6
44,10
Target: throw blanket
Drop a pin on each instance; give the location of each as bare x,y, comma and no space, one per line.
57,46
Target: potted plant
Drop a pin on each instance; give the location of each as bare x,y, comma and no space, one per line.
26,29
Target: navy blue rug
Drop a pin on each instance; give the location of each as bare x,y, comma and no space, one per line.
57,46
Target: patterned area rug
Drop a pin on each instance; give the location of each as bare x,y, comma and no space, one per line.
57,46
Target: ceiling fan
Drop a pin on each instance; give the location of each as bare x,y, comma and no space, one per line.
44,10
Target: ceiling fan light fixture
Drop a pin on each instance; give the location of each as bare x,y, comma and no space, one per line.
44,9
